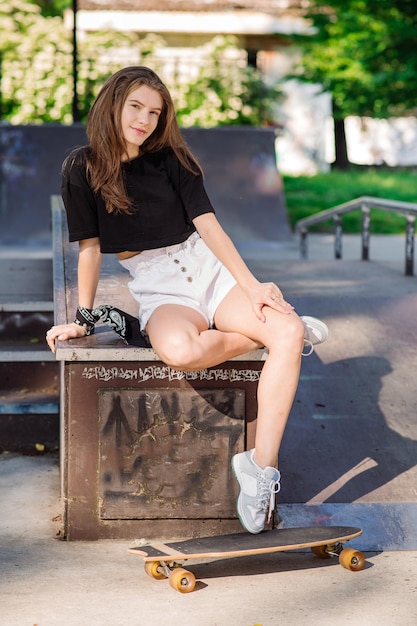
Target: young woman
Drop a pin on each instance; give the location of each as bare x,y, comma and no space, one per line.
136,191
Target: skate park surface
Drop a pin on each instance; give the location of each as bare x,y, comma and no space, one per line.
348,458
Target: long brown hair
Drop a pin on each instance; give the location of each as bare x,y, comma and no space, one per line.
107,145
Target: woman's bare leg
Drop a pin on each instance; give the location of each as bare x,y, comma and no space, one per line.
255,470
283,335
181,338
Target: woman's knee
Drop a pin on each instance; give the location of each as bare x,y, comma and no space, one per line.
289,332
178,351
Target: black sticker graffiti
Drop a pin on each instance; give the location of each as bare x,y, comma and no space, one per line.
167,453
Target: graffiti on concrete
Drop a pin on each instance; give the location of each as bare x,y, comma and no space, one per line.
167,453
164,372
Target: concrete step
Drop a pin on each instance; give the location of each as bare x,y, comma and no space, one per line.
29,405
26,304
26,281
29,433
22,335
29,393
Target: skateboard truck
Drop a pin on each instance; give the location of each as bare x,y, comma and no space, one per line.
348,557
180,579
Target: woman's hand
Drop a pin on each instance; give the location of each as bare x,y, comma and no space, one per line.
268,294
63,332
259,294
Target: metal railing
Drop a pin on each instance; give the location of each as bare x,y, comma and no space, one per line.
365,204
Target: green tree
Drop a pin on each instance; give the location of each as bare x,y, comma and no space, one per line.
37,81
52,8
364,52
226,90
36,55
30,52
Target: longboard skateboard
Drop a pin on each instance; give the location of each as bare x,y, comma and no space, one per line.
162,560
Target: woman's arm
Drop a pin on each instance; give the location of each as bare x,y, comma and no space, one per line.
260,294
89,264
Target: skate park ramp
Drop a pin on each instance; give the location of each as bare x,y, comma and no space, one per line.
243,183
30,163
240,174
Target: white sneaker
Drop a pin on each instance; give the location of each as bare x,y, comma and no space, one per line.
257,491
316,331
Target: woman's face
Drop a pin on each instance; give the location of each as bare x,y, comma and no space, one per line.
140,115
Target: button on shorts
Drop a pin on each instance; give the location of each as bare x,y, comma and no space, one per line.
188,274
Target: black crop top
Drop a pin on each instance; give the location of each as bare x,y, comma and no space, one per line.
166,198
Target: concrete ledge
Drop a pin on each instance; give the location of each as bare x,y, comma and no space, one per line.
386,525
29,408
27,306
23,356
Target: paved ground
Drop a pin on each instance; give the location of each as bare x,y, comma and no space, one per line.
356,402
48,582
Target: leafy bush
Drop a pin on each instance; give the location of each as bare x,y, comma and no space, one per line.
226,91
36,72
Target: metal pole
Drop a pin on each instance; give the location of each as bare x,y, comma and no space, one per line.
337,237
75,110
1,91
366,221
304,243
409,246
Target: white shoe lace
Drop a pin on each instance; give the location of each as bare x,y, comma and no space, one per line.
268,490
315,332
309,344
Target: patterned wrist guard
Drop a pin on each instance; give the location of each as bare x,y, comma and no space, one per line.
85,318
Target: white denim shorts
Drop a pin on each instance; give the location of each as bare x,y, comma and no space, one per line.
187,273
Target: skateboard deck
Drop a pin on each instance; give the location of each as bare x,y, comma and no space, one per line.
162,560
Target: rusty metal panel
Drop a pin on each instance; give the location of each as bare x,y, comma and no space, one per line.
166,453
122,421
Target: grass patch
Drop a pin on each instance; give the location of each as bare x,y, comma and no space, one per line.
306,195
